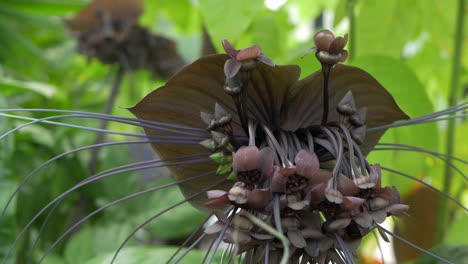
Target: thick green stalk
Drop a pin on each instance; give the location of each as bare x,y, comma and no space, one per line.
444,212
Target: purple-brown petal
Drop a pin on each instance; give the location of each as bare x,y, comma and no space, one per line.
251,52
352,203
265,162
246,158
307,164
323,39
231,68
229,49
337,45
263,58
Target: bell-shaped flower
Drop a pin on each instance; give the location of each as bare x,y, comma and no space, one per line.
253,166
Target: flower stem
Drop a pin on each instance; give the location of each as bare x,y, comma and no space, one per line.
444,212
326,74
272,231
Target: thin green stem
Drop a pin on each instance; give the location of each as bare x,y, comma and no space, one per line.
352,29
444,212
284,240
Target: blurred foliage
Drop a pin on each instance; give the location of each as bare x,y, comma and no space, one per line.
406,45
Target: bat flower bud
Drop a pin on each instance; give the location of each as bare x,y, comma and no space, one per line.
245,58
333,195
330,49
238,193
253,166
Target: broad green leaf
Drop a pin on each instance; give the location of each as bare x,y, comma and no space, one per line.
229,19
412,98
47,7
139,255
433,69
456,233
270,30
173,224
385,26
12,86
96,239
453,253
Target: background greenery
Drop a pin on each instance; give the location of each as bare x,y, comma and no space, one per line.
407,45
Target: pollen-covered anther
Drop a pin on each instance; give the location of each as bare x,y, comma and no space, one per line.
238,193
363,182
333,195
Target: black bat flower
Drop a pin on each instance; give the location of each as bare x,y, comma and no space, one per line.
272,122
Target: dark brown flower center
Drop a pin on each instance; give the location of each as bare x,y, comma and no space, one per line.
296,183
250,176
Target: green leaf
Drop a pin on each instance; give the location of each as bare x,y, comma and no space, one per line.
412,98
385,26
173,224
12,86
96,240
47,7
229,19
138,255
456,234
454,254
270,30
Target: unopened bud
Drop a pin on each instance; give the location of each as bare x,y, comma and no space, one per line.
346,106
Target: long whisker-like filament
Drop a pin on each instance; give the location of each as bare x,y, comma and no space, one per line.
423,118
166,210
136,164
85,182
121,200
422,150
444,159
45,120
221,235
189,238
70,152
413,245
203,131
428,185
349,257
192,246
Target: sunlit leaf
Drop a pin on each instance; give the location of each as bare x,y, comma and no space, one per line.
229,19
12,86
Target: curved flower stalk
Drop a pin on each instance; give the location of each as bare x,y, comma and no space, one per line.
247,140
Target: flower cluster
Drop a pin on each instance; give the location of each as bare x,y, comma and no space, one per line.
285,168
